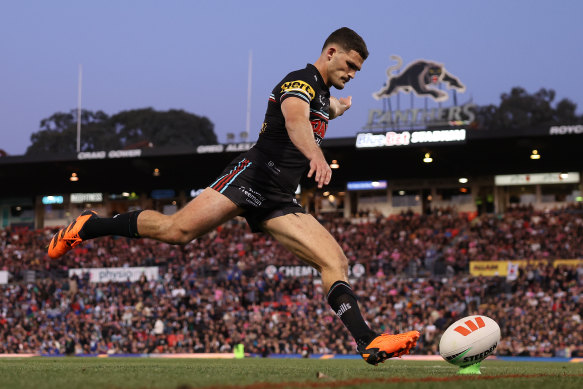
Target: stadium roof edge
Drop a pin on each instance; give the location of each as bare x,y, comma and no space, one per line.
330,142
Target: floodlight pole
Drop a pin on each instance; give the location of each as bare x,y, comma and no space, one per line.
79,108
248,123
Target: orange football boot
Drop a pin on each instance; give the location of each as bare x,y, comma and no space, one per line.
68,237
387,346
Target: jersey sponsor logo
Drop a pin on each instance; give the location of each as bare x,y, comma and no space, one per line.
319,127
298,86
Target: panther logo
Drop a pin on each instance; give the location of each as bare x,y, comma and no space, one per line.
418,77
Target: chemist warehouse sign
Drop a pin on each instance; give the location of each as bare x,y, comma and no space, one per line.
357,270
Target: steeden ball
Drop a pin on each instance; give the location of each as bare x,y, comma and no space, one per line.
469,340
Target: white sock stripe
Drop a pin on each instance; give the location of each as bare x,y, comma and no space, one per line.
335,286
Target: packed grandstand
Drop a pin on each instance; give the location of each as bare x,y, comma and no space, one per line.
217,292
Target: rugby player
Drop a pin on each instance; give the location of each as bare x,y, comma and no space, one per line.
260,185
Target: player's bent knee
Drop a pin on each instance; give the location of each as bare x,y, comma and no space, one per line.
337,263
343,265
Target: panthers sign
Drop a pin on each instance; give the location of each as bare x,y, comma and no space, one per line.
419,77
422,78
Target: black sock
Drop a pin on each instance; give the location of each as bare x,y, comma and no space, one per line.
343,301
125,224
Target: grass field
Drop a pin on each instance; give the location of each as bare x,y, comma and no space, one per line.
255,373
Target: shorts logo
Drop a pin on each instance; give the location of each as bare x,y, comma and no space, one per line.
273,167
299,86
419,77
252,197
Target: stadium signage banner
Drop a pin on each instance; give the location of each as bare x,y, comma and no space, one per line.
416,117
78,198
47,200
488,268
366,185
500,268
230,147
117,274
406,138
566,130
3,277
357,270
134,153
537,178
425,79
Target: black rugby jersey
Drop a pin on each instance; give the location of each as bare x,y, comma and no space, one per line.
274,142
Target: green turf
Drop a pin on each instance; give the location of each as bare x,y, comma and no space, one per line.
111,373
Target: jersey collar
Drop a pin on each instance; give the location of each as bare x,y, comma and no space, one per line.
318,76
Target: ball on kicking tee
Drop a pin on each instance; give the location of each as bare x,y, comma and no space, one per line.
469,340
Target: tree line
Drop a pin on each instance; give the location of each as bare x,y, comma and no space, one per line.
127,129
148,127
521,110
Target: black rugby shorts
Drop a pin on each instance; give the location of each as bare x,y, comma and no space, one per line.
253,186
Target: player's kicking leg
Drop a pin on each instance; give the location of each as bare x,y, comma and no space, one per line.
204,213
303,235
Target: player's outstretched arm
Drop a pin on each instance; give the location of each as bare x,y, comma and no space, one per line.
297,122
339,106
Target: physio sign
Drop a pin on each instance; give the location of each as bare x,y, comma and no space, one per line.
117,274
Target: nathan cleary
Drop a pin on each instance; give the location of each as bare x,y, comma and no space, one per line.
260,185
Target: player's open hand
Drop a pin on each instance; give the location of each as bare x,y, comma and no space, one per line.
345,103
339,105
320,167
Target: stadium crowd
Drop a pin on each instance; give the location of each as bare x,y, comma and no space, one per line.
408,243
214,292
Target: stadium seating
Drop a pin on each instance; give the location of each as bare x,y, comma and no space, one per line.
214,293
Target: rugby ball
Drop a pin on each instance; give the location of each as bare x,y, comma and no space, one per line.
469,340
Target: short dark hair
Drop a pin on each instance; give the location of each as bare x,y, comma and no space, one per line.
349,40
